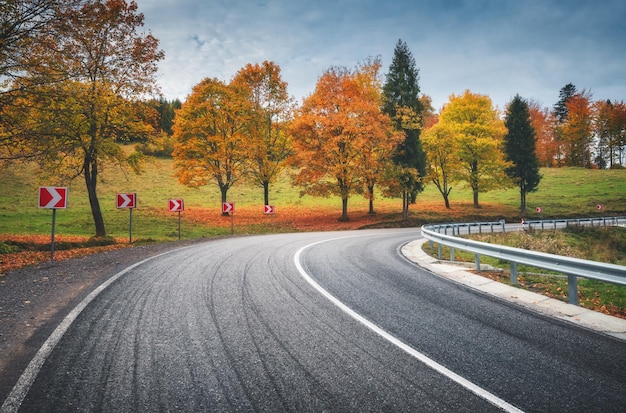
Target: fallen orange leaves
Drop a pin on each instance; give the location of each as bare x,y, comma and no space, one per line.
21,259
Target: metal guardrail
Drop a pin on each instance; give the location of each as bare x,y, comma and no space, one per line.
572,267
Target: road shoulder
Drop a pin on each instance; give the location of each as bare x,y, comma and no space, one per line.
580,316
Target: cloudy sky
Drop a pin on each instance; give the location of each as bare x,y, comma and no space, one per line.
495,47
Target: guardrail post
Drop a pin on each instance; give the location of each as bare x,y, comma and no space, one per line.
451,254
513,273
477,259
439,251
572,289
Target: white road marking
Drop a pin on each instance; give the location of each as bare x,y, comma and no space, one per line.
479,391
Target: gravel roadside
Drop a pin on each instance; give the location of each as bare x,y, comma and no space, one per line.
34,300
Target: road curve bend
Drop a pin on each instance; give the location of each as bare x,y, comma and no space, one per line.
235,325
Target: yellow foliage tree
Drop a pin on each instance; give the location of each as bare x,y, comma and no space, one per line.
268,144
478,132
442,159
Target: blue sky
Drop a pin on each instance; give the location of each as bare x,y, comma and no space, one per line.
498,48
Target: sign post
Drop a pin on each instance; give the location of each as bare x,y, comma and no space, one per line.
127,201
229,208
177,205
54,198
269,210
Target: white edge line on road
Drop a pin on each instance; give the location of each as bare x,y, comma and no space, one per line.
479,391
21,388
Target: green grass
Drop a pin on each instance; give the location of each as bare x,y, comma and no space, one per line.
562,193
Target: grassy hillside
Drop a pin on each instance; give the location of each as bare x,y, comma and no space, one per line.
563,193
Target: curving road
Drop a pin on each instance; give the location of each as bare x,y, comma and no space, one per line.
317,322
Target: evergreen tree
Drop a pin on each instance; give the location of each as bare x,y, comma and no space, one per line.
519,147
560,108
401,102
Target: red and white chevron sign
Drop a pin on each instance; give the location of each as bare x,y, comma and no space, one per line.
269,209
126,201
176,205
228,207
52,197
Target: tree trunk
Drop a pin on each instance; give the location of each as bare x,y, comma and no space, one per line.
91,179
447,201
344,210
523,201
476,205
405,204
266,192
224,191
370,189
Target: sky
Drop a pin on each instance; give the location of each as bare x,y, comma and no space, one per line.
498,48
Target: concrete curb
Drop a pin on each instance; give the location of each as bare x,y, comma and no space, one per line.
580,316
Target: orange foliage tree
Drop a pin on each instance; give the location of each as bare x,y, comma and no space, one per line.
340,134
268,142
610,130
577,132
210,141
547,147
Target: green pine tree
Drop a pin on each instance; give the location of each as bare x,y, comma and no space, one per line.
401,102
519,147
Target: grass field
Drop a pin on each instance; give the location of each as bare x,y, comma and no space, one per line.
565,192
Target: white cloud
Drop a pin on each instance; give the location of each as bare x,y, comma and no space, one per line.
492,47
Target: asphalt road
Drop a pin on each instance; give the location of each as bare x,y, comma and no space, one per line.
317,322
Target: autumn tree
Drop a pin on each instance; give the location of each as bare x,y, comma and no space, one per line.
577,132
23,23
610,129
380,140
619,134
478,131
547,146
268,143
82,75
519,148
402,103
210,136
335,132
440,145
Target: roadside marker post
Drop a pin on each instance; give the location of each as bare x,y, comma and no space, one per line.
177,205
127,201
269,210
54,198
229,208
